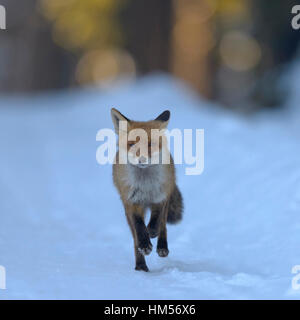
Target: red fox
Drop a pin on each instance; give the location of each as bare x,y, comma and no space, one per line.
142,184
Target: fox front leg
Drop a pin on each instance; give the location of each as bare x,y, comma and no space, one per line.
143,240
142,244
140,263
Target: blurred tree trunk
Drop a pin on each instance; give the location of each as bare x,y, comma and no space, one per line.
272,27
147,27
192,41
29,59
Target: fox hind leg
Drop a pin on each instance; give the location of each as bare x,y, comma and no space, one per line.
153,225
162,243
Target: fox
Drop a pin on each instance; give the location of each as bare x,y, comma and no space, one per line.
144,181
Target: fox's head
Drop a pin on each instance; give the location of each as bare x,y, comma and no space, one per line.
142,143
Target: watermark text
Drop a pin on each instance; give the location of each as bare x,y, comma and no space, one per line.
2,278
296,18
296,278
146,148
2,18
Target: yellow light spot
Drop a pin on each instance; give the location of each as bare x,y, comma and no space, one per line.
240,51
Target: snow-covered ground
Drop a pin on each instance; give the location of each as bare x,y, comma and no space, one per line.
63,232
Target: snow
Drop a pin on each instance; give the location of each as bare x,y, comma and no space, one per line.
63,232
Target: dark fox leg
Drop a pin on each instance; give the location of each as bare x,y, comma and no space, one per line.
153,225
162,243
142,235
142,244
140,262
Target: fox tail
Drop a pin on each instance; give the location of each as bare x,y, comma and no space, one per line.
175,207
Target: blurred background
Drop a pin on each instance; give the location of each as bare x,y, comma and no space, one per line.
230,51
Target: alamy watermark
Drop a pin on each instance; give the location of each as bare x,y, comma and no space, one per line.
2,18
296,278
138,148
2,278
296,19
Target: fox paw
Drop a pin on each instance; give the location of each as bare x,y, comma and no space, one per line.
145,248
152,232
162,247
162,252
141,267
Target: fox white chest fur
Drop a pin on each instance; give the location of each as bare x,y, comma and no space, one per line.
146,185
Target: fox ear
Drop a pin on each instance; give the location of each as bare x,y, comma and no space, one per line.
117,116
164,118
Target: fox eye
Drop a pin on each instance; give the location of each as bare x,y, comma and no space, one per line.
130,144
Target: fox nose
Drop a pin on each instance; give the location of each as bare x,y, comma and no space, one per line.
142,159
